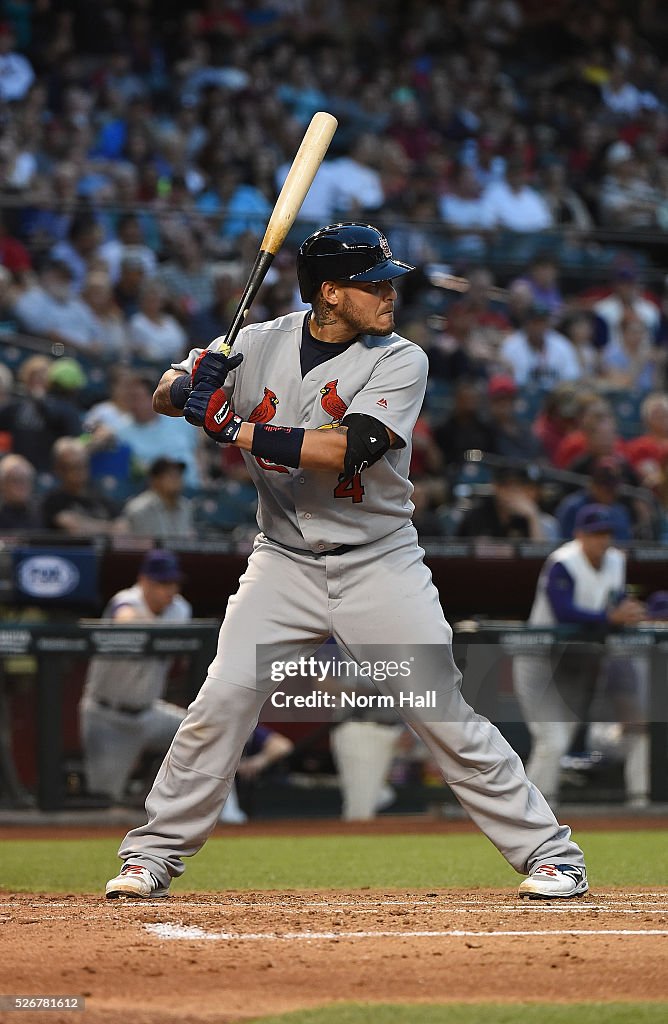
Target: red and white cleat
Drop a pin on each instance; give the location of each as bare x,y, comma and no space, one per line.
555,881
137,883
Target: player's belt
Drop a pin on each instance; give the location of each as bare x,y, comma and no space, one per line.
125,709
341,550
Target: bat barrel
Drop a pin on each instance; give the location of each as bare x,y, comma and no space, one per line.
308,158
304,167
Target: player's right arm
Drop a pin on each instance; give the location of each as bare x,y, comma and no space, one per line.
162,399
204,370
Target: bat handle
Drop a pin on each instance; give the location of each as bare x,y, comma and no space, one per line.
263,261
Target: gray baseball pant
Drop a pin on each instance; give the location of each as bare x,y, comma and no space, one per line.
379,591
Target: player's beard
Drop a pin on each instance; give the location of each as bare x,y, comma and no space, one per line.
350,314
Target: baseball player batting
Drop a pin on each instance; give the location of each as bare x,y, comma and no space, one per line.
336,555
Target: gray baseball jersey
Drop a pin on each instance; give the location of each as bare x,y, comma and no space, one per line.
381,377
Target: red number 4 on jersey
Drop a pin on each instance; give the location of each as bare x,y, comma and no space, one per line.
353,488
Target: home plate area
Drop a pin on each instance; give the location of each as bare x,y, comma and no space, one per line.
397,918
242,955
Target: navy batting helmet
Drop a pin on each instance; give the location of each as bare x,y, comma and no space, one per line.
345,252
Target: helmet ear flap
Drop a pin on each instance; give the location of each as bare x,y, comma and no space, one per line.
306,276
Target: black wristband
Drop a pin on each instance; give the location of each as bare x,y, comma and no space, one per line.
180,389
281,445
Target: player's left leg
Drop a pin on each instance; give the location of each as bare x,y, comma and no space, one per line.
384,597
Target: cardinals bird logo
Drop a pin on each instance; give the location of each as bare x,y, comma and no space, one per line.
266,409
262,413
331,402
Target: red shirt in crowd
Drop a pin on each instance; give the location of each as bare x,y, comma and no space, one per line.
14,256
574,446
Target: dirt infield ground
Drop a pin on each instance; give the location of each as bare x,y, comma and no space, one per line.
229,957
233,956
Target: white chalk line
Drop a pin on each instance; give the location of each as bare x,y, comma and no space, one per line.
189,933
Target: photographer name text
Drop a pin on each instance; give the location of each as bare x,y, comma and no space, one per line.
353,699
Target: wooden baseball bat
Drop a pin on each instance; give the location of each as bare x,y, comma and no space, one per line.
304,167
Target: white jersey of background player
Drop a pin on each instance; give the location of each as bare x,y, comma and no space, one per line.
323,409
582,583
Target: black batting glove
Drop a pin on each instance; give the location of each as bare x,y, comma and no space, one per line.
213,367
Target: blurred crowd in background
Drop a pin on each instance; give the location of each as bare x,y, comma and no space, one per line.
516,152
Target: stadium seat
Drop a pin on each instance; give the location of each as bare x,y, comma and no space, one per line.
437,399
96,388
12,356
449,519
111,463
529,403
222,510
118,489
470,474
626,406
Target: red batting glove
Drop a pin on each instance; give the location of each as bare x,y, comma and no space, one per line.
210,408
